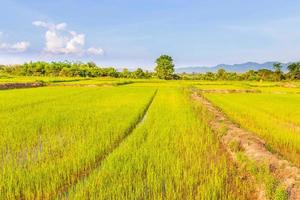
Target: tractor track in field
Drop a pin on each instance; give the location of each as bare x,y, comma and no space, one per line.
62,191
254,148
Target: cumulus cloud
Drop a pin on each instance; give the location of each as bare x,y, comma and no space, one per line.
95,51
13,47
16,47
60,40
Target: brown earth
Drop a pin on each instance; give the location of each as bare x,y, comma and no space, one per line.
7,86
227,91
254,148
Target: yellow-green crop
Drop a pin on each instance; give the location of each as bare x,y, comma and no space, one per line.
172,154
274,117
46,144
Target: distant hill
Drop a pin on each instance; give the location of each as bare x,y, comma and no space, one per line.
244,67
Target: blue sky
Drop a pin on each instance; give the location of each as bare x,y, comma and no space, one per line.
133,33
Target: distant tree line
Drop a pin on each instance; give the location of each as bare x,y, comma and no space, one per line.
164,70
71,69
262,74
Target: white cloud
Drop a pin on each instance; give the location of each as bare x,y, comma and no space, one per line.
20,46
95,51
40,23
16,47
60,40
61,26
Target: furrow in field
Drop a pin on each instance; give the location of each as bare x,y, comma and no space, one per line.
86,171
171,155
254,148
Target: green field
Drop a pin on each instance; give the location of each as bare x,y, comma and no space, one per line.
273,117
137,139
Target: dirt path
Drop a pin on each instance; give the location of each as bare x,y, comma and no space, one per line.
7,86
62,191
227,91
254,148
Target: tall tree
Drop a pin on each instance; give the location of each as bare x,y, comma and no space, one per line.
294,70
139,73
277,67
164,67
221,74
278,73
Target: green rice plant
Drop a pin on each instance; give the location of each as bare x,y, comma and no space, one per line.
44,147
15,99
170,155
273,117
262,174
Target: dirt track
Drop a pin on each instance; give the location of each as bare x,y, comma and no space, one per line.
254,148
7,86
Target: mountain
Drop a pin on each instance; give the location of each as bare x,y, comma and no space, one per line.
243,67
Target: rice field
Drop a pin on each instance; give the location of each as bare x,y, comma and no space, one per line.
273,117
136,139
47,144
170,155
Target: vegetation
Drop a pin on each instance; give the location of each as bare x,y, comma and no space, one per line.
171,155
69,69
143,140
164,70
294,70
63,135
274,117
164,67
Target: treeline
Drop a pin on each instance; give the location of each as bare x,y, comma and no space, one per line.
71,69
263,74
163,71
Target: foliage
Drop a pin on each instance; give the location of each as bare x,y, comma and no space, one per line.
294,70
69,69
164,67
164,70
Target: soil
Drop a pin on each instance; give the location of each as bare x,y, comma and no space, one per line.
227,91
7,86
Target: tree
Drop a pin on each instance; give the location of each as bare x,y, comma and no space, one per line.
250,75
277,67
126,73
164,67
139,73
294,70
221,74
278,73
265,74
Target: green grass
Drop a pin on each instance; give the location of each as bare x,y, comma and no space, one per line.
273,117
